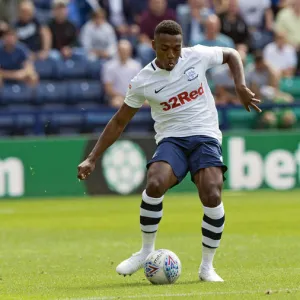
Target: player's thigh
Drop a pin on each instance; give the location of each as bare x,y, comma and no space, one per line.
207,170
167,167
209,182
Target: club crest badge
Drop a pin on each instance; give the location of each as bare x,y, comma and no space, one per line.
191,74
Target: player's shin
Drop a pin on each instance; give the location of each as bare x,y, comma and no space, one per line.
151,211
212,229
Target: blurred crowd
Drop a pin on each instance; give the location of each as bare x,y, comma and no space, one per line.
119,32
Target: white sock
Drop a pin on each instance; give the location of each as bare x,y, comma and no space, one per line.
207,258
212,228
148,241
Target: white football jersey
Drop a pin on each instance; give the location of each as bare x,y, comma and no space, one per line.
181,101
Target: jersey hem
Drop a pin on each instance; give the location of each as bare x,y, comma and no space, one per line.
215,136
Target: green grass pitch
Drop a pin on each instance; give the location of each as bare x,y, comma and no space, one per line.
69,248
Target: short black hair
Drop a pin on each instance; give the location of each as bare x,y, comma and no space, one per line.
168,27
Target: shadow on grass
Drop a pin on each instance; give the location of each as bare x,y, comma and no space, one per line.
107,286
125,285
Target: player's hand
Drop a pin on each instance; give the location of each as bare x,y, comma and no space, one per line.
85,169
247,98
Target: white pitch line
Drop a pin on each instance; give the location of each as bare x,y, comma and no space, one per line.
184,295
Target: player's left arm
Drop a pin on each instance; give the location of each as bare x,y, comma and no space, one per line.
245,95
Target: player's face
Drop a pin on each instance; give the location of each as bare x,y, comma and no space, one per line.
168,50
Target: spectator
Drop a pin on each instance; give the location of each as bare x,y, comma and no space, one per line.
220,6
8,10
233,25
119,14
14,61
223,82
98,37
35,36
212,36
157,12
260,76
258,15
224,86
3,28
288,22
118,72
64,33
137,8
281,56
277,5
80,11
192,17
264,82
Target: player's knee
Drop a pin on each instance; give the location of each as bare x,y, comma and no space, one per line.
212,198
155,187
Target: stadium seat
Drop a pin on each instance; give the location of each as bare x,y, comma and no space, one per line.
291,85
239,118
97,120
67,119
72,69
46,68
16,93
24,116
141,122
51,92
20,108
24,124
6,122
53,107
142,116
61,121
94,69
97,130
88,106
85,91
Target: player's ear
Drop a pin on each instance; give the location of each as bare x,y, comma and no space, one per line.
153,45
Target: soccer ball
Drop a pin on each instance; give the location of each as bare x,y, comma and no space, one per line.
162,267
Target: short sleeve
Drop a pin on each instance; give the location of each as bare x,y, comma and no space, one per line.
211,56
135,94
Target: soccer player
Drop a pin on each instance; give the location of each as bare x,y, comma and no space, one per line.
187,134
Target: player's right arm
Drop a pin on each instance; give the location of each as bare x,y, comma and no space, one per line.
133,101
111,133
